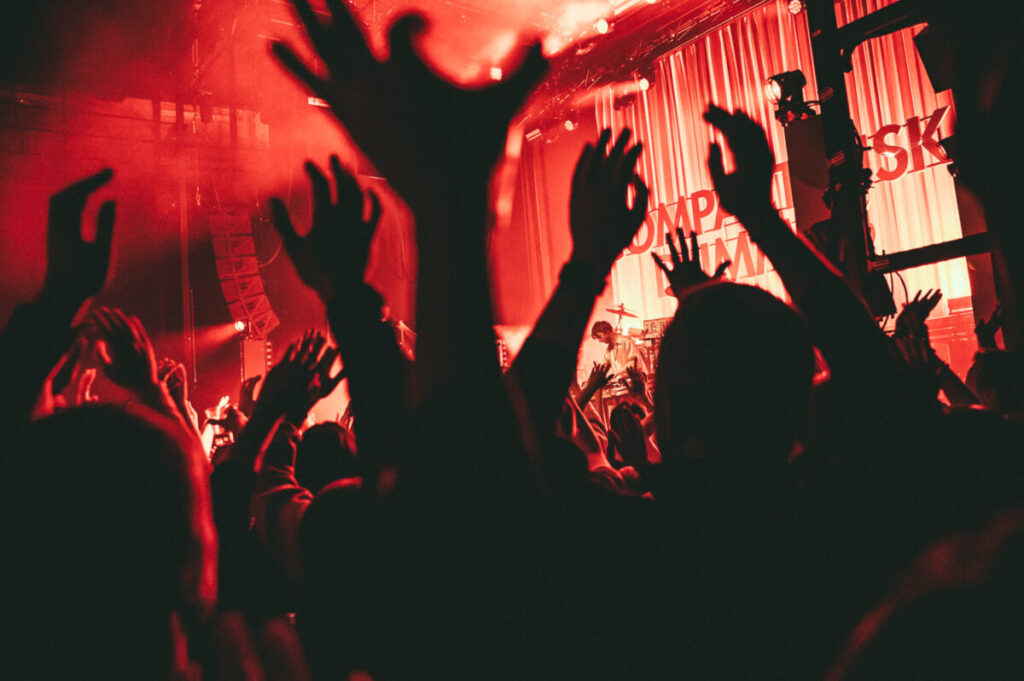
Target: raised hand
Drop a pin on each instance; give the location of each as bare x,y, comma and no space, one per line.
637,380
175,379
173,375
125,351
910,321
68,371
986,329
747,191
336,249
232,420
300,380
598,377
431,139
626,436
76,269
247,394
686,272
601,221
70,367
50,398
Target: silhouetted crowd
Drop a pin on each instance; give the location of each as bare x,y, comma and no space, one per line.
791,500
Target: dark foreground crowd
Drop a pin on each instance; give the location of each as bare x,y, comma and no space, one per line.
814,511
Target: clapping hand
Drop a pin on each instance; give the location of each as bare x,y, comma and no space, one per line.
335,251
600,219
686,271
431,139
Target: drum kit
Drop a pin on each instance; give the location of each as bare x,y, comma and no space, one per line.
651,333
648,341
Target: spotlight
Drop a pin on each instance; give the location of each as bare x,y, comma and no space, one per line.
495,73
644,84
240,327
796,6
569,125
601,26
786,91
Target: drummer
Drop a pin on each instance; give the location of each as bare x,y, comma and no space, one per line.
621,352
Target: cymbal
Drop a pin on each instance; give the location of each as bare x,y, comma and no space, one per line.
621,311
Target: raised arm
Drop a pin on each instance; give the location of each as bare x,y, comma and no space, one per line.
40,332
127,357
331,259
292,388
863,366
437,145
602,223
914,343
301,379
840,323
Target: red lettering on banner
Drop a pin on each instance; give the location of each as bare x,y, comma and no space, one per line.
700,212
664,218
886,144
743,256
890,151
925,139
671,217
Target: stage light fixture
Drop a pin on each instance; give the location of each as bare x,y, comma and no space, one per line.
796,6
644,84
495,73
240,327
569,125
601,26
786,92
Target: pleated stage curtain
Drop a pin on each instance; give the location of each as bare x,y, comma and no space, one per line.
912,203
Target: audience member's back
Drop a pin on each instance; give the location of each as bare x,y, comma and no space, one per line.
109,541
733,386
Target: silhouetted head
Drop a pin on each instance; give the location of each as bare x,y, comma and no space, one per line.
996,378
327,453
734,376
109,538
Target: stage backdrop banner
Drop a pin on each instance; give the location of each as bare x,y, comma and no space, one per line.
893,105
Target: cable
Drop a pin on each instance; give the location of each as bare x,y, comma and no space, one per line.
906,293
